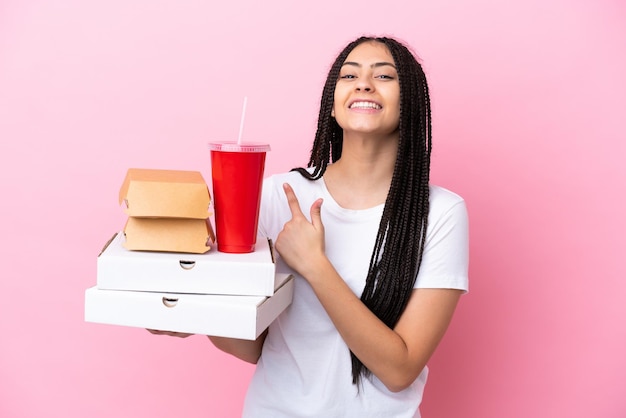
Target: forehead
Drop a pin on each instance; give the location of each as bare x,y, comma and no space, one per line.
369,52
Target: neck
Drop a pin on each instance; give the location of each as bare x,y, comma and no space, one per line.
362,176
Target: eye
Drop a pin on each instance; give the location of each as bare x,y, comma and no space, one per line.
385,77
347,76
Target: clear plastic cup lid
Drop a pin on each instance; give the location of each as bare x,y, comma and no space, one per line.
235,147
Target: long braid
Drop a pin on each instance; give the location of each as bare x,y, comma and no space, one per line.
401,236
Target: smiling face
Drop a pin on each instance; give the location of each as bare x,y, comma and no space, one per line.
367,94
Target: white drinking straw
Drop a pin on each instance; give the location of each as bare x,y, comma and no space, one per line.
243,116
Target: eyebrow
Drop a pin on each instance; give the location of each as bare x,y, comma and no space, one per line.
375,65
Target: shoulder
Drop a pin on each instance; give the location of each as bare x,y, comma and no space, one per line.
279,178
447,210
442,200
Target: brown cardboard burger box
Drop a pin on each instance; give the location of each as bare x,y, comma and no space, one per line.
168,211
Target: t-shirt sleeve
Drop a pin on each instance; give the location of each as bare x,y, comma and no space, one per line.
445,261
265,208
273,210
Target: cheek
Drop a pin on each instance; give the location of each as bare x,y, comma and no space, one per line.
397,105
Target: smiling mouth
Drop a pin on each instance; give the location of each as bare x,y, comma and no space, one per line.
365,105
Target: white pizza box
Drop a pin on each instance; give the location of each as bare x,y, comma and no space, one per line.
213,272
243,317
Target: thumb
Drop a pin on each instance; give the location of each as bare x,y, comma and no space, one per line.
316,214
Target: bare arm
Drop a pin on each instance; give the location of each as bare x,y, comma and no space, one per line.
246,350
396,356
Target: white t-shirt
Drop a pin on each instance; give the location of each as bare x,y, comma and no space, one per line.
305,367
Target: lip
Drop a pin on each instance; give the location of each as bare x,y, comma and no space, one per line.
365,101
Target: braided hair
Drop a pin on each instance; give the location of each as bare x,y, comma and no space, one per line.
399,244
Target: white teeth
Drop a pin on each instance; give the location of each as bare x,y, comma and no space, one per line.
364,105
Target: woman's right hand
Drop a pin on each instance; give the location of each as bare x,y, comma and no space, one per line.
301,242
170,333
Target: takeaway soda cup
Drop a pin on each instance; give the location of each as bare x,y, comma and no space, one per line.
237,175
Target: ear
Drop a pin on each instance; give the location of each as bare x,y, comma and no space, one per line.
332,112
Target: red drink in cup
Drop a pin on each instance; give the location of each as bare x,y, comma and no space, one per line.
237,175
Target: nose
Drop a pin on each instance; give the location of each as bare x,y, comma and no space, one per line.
364,84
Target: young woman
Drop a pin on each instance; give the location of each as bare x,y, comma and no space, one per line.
380,256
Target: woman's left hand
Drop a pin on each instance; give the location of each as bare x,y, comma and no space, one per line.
301,242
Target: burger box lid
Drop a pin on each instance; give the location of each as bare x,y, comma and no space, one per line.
213,272
244,317
169,234
165,193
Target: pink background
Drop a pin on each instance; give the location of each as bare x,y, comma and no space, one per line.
528,100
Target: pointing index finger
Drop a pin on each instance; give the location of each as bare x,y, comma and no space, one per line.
292,200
